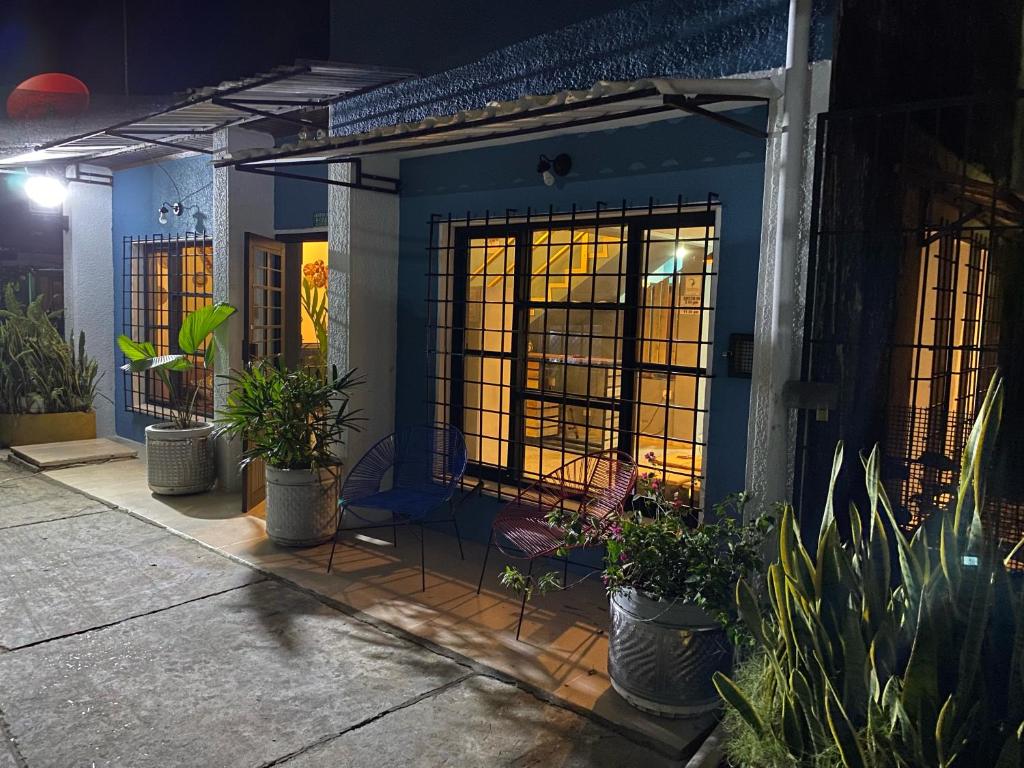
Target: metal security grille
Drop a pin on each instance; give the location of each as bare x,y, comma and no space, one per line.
552,335
163,279
927,252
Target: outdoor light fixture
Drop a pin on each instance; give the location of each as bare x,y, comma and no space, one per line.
549,169
45,191
166,208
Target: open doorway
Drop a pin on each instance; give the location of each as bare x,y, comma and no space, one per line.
285,316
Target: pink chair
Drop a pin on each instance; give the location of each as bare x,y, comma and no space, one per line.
596,486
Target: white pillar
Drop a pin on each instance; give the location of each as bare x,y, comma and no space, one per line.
89,278
242,202
363,297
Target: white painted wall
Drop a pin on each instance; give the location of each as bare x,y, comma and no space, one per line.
363,297
769,476
89,280
242,202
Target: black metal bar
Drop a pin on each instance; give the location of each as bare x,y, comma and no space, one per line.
284,116
300,177
687,104
163,144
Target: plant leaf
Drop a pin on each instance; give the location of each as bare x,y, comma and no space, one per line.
198,325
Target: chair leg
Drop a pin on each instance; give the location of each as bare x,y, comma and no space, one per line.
565,572
423,562
458,536
490,543
334,541
394,530
522,605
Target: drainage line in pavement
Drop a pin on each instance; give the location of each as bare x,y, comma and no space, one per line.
72,516
372,719
12,746
136,616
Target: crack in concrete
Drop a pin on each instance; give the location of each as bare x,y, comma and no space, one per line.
110,624
12,746
432,693
72,516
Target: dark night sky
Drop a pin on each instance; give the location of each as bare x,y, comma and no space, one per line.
173,45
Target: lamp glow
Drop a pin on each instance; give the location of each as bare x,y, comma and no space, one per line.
45,191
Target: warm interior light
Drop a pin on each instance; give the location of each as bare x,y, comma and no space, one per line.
45,191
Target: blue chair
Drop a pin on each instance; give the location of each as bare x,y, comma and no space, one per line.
426,465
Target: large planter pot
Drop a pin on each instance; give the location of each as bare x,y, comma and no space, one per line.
301,506
32,428
180,461
661,656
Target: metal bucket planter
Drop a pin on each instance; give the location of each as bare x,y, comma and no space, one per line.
179,461
661,656
301,506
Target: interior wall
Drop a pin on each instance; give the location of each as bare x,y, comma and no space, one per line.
137,195
687,157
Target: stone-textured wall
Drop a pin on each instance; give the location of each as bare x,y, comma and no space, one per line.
653,38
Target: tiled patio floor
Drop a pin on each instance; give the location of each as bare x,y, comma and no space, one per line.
563,651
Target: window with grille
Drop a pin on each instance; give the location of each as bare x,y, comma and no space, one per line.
164,279
560,335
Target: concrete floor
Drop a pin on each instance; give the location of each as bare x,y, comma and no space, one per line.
122,644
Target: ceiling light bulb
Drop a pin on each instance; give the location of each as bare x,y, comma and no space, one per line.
304,134
162,218
45,191
549,178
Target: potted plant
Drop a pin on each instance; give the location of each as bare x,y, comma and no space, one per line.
671,578
294,421
47,387
179,452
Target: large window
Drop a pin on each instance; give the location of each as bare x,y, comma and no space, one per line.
562,336
164,279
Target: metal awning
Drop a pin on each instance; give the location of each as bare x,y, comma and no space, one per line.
189,125
605,105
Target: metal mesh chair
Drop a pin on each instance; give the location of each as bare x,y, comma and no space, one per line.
425,465
596,485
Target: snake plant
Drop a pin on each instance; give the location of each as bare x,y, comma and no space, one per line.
40,372
884,649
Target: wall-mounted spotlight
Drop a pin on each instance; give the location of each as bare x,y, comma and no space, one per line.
166,208
45,191
549,169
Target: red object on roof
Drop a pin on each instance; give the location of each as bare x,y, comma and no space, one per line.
53,94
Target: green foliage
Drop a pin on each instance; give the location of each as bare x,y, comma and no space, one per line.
290,419
669,556
195,337
40,372
857,668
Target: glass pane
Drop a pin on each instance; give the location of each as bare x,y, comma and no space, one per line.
670,423
677,275
486,407
575,352
582,265
490,285
557,433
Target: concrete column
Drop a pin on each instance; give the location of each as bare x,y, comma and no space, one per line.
771,450
363,297
89,279
242,202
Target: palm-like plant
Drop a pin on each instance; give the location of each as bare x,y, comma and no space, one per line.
291,419
195,337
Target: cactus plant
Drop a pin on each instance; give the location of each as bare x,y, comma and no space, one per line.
884,650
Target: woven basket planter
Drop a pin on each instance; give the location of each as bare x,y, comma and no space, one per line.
301,506
662,656
179,461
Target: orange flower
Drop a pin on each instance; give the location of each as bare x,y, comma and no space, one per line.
316,273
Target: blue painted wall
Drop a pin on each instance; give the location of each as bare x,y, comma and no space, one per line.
687,157
137,195
297,202
653,38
